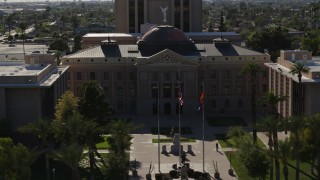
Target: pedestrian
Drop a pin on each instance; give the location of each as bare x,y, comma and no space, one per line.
217,147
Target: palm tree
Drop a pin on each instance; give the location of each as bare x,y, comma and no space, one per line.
271,125
272,100
284,150
252,69
313,125
90,130
296,126
298,69
23,27
71,155
42,129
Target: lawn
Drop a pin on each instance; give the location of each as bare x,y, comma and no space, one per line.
225,121
102,144
167,130
169,140
226,143
242,173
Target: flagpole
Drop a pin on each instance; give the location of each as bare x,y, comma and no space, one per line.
158,104
179,118
203,131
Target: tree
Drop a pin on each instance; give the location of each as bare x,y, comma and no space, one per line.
77,43
313,126
311,42
71,155
23,28
222,26
92,104
254,158
296,126
284,150
272,100
41,128
271,38
59,44
252,69
117,166
67,106
15,160
297,69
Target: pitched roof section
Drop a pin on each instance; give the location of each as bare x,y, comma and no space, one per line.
133,51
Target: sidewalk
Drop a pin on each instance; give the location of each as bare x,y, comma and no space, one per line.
144,152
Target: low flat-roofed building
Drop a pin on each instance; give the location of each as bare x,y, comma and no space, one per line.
30,91
303,98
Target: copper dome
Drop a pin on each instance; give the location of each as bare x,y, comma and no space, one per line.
164,37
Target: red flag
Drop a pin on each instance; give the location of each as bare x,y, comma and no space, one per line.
201,104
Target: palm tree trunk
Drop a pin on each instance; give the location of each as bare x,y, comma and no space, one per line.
276,152
271,158
285,171
297,167
91,159
318,157
47,164
75,174
253,107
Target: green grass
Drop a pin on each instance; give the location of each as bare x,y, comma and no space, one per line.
103,144
167,130
226,121
230,142
242,173
169,140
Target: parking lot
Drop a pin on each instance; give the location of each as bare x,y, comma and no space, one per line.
16,52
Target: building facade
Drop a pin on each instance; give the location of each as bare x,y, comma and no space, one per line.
132,75
302,98
185,15
30,91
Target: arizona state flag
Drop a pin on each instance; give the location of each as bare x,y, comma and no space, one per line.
180,94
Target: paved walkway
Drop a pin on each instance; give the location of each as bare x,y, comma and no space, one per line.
144,152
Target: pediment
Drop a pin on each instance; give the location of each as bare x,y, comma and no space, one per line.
167,57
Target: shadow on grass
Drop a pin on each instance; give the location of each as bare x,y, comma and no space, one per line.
302,172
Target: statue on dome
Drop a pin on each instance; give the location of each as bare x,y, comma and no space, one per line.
164,12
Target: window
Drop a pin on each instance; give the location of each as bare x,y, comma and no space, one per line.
107,91
92,75
154,90
119,75
167,90
213,103
167,76
120,91
120,105
240,103
132,92
201,75
155,76
226,103
226,74
79,75
239,89
179,76
213,89
226,89
106,75
132,75
213,74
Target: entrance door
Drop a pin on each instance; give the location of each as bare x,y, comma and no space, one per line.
167,108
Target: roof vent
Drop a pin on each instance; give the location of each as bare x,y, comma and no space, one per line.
221,42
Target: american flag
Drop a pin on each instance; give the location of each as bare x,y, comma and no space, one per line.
180,94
